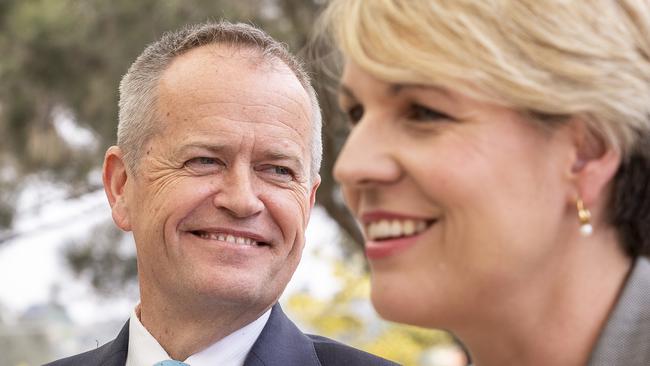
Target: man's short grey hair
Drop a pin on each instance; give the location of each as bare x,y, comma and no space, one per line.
138,88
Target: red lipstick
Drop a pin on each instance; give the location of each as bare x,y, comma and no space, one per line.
383,248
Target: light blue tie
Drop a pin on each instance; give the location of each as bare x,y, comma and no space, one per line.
171,363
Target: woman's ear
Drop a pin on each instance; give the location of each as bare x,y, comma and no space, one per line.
594,164
115,179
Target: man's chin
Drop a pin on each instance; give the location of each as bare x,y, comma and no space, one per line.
236,290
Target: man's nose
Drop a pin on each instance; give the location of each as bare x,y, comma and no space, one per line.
368,157
238,195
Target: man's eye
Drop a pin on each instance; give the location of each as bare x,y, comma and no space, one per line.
205,160
419,112
278,172
281,170
203,163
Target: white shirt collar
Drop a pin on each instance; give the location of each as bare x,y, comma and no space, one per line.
232,350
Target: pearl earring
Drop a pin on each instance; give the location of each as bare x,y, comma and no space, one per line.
585,218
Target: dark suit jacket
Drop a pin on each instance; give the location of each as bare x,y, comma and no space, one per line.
281,343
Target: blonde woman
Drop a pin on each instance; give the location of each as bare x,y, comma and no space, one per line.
499,163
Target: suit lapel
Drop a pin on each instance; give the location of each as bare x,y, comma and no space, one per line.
282,343
114,353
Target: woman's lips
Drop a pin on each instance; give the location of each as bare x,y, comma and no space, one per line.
386,248
389,233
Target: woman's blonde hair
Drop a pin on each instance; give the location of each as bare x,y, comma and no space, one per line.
548,58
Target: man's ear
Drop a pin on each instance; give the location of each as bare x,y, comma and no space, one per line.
115,179
594,164
314,187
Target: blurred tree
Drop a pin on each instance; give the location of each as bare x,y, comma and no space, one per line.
106,258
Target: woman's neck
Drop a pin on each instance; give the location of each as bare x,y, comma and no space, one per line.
557,318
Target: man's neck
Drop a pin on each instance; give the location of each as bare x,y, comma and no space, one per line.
183,330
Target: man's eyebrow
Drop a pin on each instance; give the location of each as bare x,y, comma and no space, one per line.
202,145
282,156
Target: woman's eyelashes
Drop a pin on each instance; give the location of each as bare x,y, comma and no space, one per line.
413,112
418,112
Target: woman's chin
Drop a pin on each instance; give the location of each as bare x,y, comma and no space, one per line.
393,307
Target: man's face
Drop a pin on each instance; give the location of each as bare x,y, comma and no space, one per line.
222,196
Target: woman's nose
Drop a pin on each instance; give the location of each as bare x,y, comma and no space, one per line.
367,157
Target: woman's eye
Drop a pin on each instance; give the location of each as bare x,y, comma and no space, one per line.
421,113
355,113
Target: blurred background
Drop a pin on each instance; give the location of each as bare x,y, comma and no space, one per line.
68,280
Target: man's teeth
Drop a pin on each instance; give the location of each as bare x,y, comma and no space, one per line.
385,229
227,238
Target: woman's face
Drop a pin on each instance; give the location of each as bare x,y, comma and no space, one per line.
463,203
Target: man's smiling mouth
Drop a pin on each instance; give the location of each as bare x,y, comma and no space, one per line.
228,238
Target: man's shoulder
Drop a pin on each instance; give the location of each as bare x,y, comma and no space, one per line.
283,343
331,352
112,353
89,358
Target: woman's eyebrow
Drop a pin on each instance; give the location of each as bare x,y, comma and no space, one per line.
397,88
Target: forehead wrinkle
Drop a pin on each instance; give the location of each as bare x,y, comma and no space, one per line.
210,146
252,105
281,147
273,123
300,104
304,116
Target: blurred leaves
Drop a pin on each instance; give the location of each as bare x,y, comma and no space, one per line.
105,258
345,317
